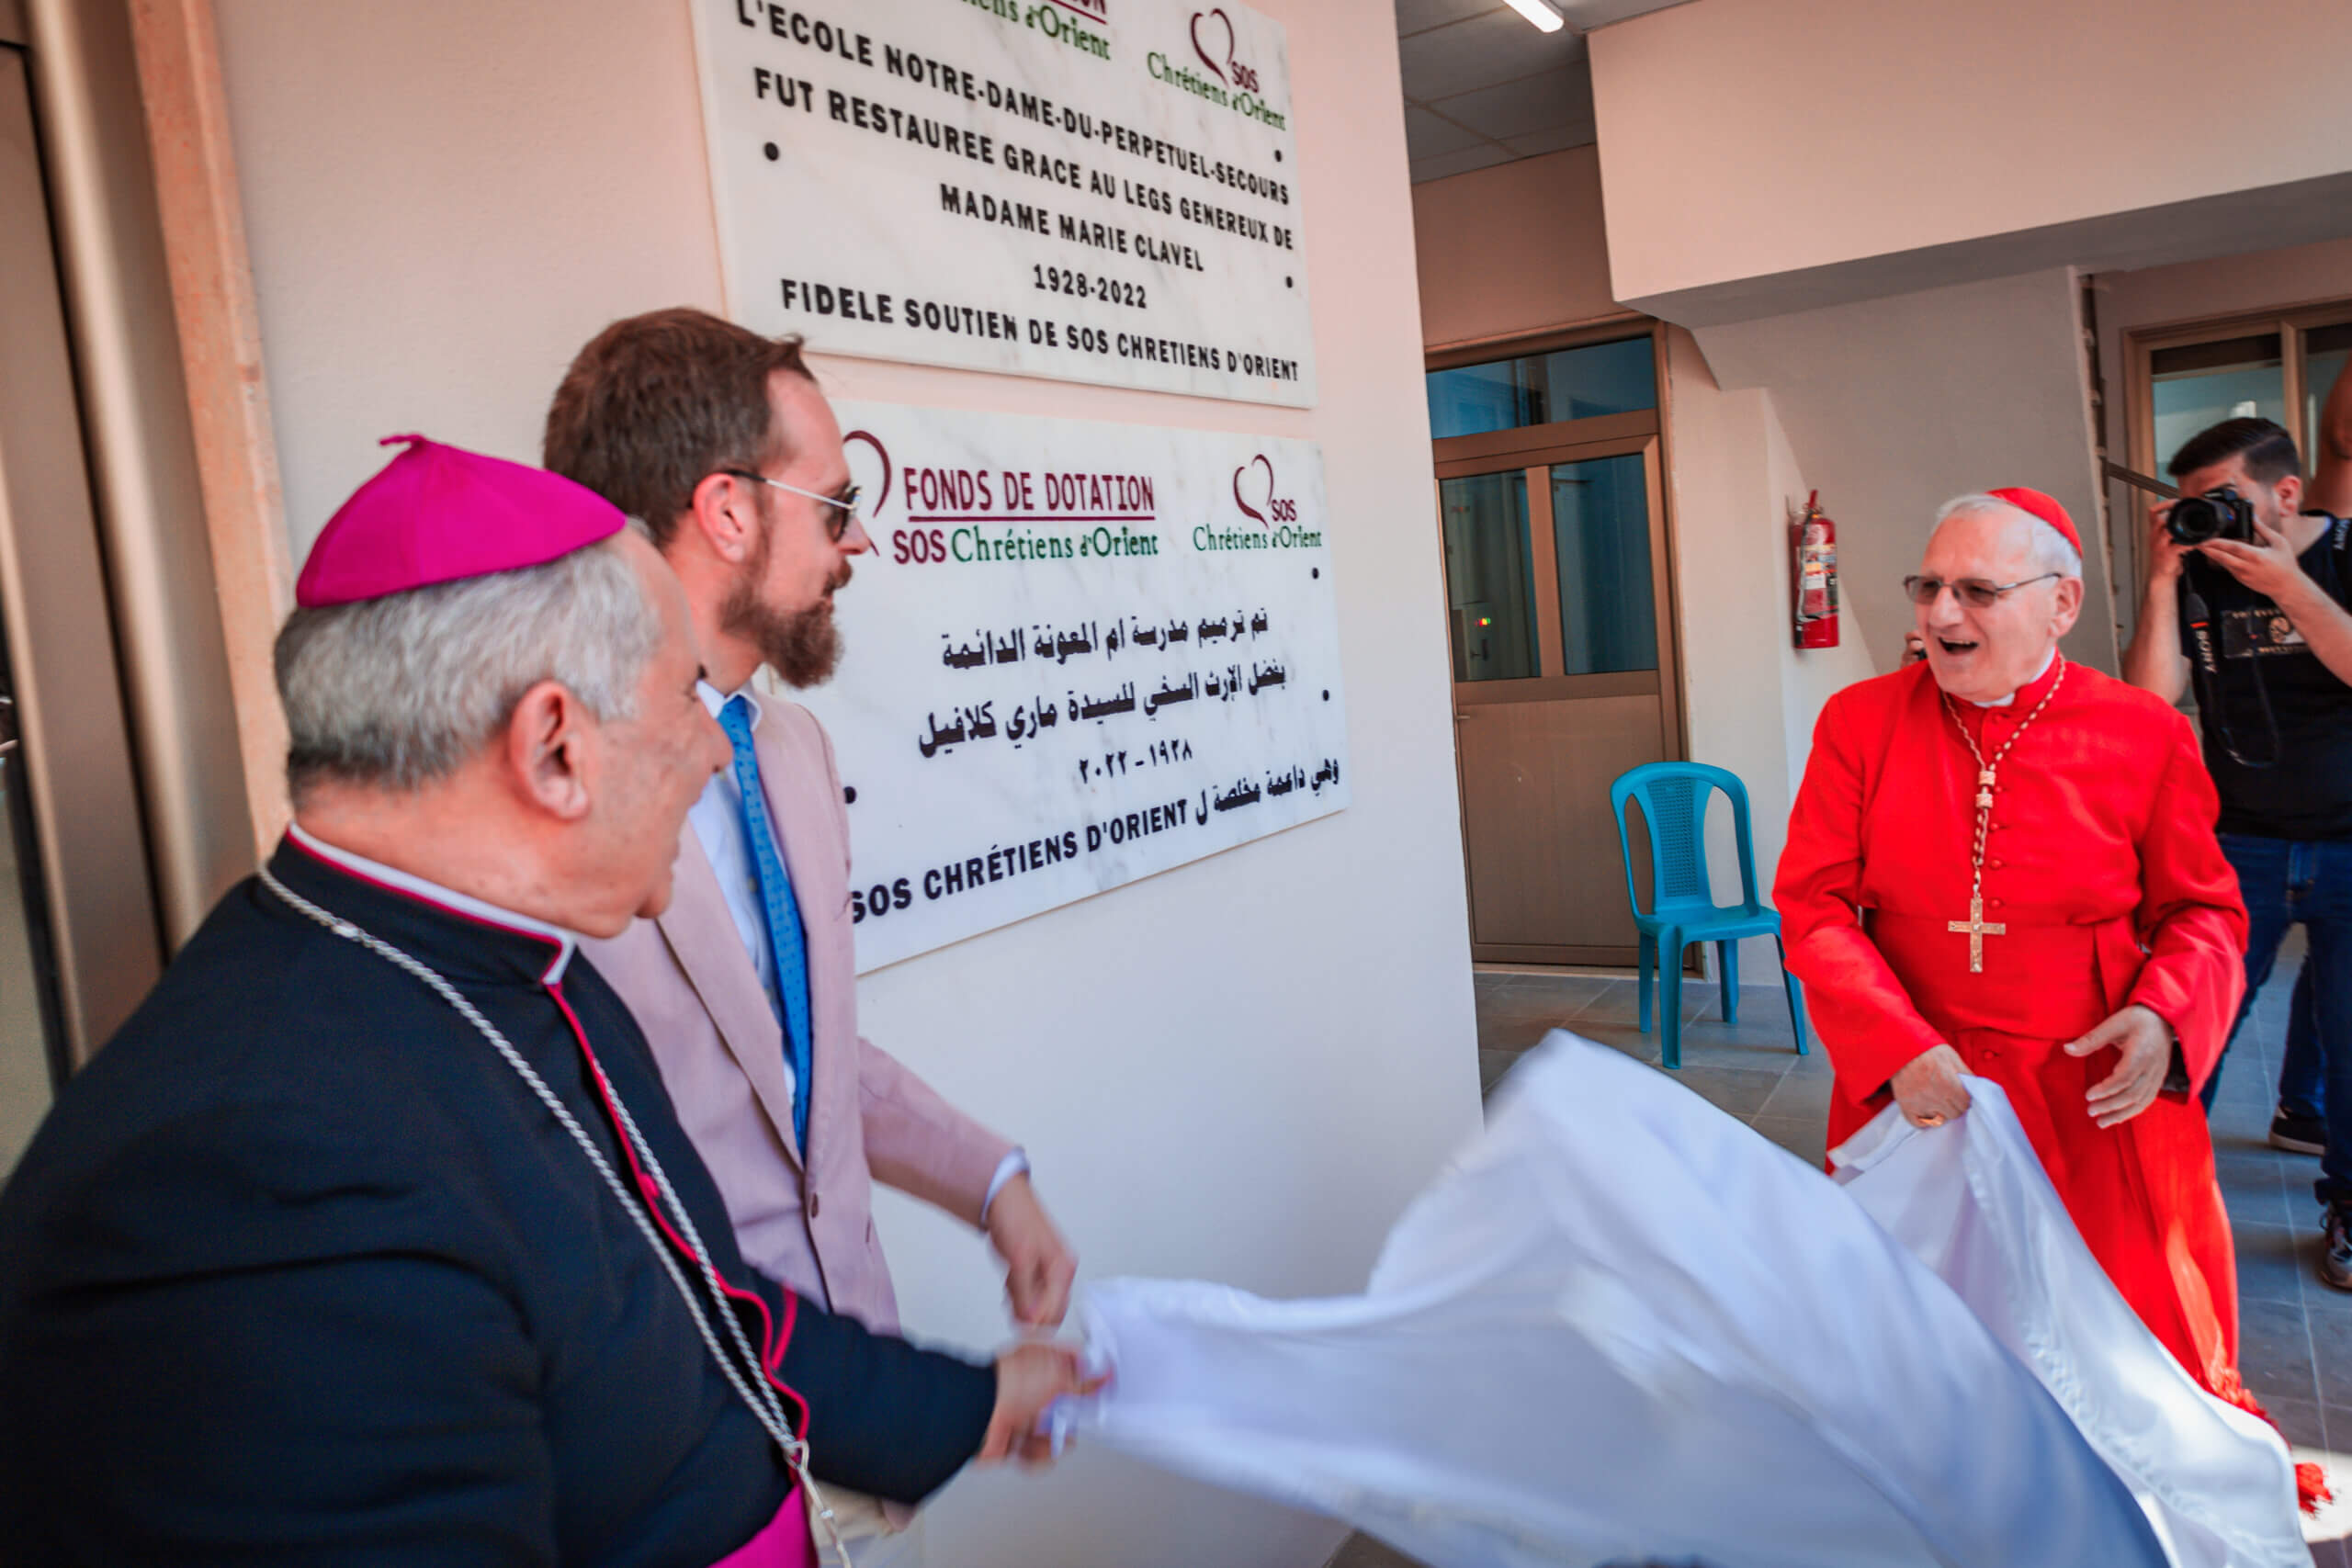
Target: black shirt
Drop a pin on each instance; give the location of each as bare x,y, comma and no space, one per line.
300,1270
2307,793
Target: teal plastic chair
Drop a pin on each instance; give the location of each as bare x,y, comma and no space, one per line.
1682,910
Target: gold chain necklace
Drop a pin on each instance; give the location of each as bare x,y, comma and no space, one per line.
1975,928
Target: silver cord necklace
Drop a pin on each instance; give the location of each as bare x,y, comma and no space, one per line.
762,1401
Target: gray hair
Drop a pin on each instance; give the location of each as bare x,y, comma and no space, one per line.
396,691
2050,550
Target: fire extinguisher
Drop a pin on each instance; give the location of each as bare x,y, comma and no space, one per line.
1813,542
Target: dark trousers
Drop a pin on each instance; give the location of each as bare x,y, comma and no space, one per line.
2286,882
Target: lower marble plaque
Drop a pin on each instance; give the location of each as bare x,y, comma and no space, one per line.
1084,654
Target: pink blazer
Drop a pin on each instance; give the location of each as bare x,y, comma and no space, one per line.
691,987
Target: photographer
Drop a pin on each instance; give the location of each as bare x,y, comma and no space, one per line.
2255,589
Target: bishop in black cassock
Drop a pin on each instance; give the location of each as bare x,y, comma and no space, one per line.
302,1268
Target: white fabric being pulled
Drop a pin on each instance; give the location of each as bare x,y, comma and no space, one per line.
1970,1201
1623,1327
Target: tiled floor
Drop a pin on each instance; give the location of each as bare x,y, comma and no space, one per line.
2295,1334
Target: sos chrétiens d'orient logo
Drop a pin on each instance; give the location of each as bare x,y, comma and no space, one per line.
1276,509
1257,495
1232,71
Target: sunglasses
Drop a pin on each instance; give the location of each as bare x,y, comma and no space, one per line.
1973,592
836,523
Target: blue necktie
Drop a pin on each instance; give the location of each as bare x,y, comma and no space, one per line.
784,937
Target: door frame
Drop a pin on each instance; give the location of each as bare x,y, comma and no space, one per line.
1536,447
90,904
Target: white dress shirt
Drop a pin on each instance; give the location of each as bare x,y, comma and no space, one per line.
717,821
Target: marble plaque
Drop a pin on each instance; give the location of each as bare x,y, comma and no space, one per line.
1084,654
1093,190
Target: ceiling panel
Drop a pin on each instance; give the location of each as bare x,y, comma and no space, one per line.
1559,139
1531,104
1412,15
1427,135
1463,56
1484,156
1483,86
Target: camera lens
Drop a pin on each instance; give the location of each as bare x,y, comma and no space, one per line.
2196,521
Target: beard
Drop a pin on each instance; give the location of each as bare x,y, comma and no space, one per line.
801,646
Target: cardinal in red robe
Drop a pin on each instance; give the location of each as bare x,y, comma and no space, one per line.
2002,863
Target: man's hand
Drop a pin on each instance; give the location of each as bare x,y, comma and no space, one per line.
1038,1263
2267,567
2143,1042
1929,1088
2166,553
1029,1378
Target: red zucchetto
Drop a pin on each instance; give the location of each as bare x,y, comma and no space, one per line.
2043,507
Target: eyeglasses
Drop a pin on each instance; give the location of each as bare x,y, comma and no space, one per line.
836,523
1973,592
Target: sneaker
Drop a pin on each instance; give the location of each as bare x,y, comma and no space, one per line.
2298,1135
2335,1249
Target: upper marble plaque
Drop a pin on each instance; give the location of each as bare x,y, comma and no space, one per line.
1093,190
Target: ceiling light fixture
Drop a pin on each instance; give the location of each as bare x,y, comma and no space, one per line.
1545,19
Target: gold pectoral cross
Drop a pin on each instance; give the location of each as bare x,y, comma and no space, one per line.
1977,930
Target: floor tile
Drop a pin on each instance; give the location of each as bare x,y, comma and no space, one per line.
1510,1034
1806,1139
1619,1001
2300,1419
2275,1349
2251,1185
1492,1065
1569,991
2242,1125
1362,1551
2269,1266
1618,1037
1802,1096
2332,1350
1727,1088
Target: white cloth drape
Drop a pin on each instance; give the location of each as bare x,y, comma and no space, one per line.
1622,1326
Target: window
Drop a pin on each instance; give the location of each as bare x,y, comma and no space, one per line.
2279,366
1544,389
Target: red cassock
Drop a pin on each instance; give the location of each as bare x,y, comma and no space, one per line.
2100,861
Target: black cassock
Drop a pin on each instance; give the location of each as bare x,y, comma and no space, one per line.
300,1271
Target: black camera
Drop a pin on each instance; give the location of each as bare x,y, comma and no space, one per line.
2201,519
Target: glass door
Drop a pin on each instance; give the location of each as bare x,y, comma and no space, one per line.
1556,582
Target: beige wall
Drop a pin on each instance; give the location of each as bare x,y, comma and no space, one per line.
1736,483
1512,249
1897,405
1240,1069
1747,140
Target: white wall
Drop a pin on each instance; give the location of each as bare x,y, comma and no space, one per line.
1240,1069
1735,483
1897,405
1812,141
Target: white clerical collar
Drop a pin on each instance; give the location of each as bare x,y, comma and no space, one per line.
2004,701
716,700
450,898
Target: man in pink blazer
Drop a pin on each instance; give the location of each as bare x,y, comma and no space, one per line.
719,441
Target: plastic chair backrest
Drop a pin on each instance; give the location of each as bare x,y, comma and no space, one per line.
1674,807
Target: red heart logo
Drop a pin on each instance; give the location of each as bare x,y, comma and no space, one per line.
1259,461
1206,57
882,452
